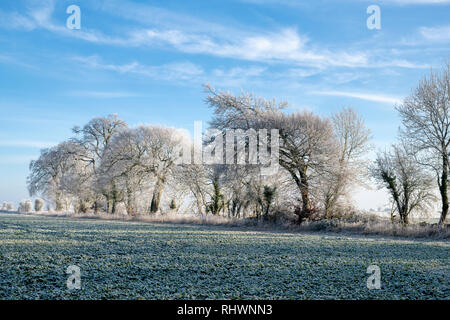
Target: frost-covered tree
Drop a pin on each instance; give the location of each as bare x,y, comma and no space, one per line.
410,187
307,150
94,137
48,170
120,175
349,167
193,178
139,155
306,141
425,116
25,206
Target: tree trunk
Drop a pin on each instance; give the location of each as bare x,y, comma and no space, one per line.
154,206
302,184
304,190
444,189
335,192
114,199
266,214
130,202
199,206
113,207
83,208
108,203
96,207
405,219
58,202
329,204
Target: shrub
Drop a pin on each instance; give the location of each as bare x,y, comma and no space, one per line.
38,204
217,202
173,205
313,214
25,206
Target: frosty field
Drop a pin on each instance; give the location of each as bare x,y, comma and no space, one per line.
123,260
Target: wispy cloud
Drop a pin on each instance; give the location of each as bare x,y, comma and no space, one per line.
362,96
103,94
426,36
172,71
8,59
15,20
294,3
41,17
438,34
26,143
411,2
286,45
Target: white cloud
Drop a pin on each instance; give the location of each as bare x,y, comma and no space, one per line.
285,46
177,71
362,96
438,34
239,72
104,94
298,3
171,71
41,17
14,20
407,2
26,143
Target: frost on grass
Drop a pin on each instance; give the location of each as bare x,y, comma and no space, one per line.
137,260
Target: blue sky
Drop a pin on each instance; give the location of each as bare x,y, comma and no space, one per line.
147,61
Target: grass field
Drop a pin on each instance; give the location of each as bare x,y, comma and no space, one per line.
123,260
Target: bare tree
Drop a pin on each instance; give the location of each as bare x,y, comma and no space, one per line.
348,168
97,133
194,178
306,140
409,186
306,149
120,175
162,149
95,137
425,117
49,169
143,153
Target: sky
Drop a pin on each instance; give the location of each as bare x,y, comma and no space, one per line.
147,60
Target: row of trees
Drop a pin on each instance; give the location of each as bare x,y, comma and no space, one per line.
414,168
108,166
7,206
